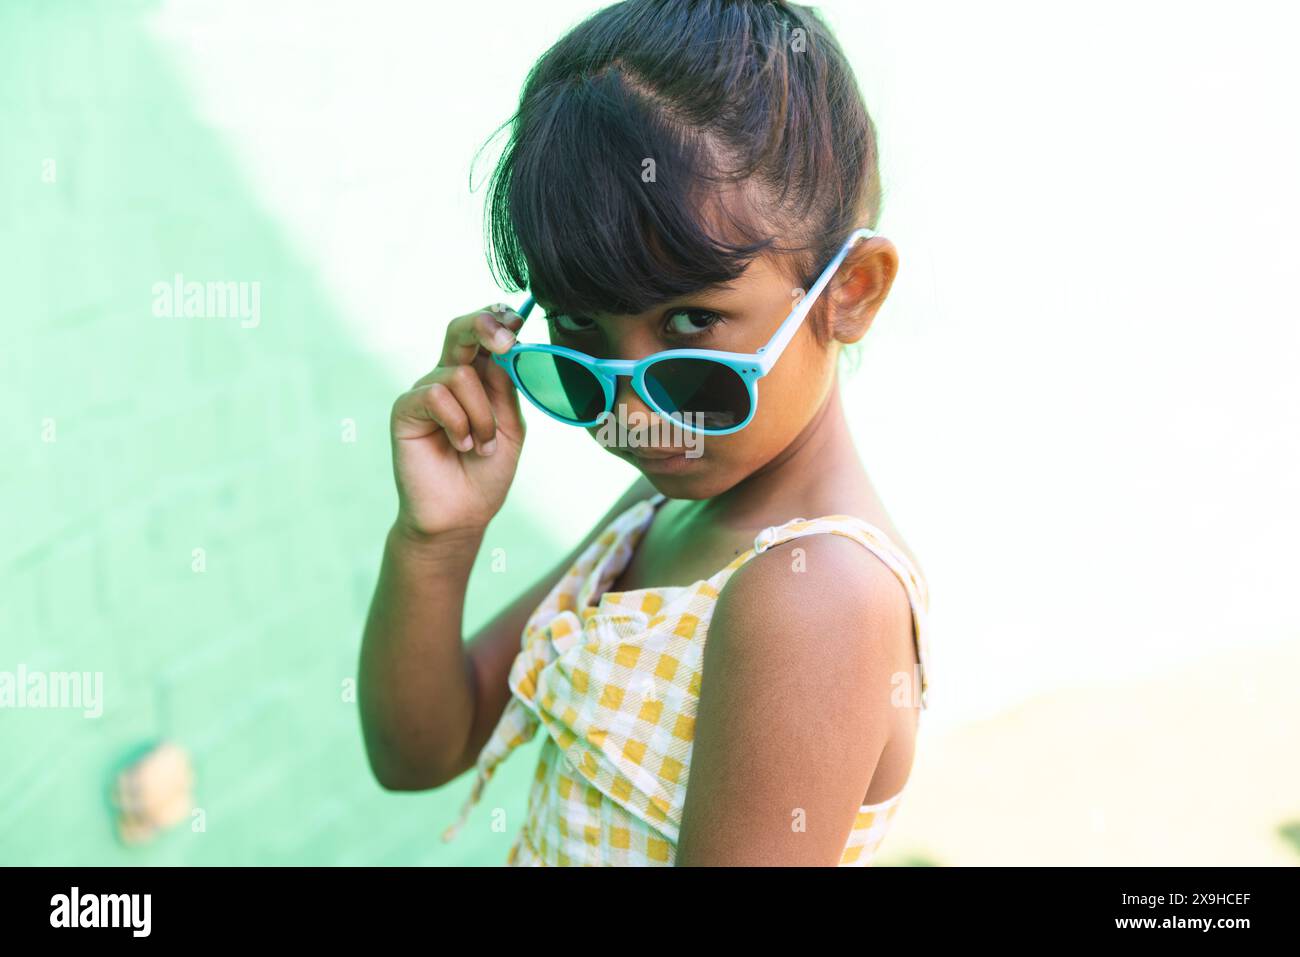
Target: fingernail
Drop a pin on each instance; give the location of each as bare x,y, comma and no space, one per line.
488,447
504,338
466,443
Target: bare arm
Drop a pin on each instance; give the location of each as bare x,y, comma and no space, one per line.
795,707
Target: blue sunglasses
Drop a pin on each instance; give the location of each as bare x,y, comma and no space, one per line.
700,390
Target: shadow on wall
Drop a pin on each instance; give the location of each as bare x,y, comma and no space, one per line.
198,498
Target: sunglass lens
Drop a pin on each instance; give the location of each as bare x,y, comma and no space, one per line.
703,393
563,387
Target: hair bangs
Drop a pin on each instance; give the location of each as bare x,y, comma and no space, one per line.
603,203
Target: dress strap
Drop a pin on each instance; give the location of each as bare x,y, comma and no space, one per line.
880,545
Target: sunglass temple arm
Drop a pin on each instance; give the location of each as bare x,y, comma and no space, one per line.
785,332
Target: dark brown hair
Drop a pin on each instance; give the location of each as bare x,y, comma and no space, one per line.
756,129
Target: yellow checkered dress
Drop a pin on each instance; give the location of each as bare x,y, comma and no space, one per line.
616,683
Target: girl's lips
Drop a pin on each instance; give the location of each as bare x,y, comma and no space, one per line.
658,461
656,453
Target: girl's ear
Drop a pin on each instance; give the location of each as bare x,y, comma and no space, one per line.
860,286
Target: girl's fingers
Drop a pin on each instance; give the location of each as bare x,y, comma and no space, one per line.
502,395
455,399
428,409
466,387
491,329
500,389
471,338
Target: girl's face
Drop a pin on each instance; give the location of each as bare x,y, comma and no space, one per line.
738,317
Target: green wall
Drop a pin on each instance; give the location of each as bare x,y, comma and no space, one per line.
132,440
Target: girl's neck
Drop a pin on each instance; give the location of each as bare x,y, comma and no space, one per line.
818,473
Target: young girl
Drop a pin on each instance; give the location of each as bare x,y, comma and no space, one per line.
721,679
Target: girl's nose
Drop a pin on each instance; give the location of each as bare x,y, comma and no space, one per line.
628,403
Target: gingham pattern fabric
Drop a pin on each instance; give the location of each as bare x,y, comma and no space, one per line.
616,682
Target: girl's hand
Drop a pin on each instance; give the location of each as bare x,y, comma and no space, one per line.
458,432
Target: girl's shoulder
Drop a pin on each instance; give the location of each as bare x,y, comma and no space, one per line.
809,591
836,553
838,576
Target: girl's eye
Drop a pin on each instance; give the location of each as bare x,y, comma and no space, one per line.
566,323
692,322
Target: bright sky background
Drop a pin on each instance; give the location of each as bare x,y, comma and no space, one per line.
1080,402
